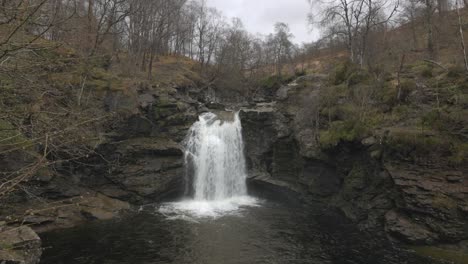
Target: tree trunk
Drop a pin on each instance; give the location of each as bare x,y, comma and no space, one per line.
430,33
90,23
462,38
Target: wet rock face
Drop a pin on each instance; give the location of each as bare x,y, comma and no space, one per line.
69,212
141,160
432,199
282,152
149,169
413,203
19,245
405,229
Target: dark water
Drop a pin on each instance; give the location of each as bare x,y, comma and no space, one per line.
272,233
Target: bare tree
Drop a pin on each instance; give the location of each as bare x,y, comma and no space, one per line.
429,9
411,10
282,46
21,16
354,20
462,38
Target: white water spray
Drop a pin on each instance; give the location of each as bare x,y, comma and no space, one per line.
216,170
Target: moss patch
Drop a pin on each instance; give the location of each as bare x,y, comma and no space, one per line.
457,257
342,131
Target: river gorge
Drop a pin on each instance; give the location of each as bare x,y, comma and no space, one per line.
186,180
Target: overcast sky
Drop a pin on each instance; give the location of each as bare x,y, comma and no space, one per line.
259,16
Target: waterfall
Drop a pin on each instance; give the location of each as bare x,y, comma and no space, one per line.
215,158
215,169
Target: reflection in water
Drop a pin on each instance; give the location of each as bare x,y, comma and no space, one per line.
271,233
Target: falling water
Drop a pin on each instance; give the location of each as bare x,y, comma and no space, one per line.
216,170
215,158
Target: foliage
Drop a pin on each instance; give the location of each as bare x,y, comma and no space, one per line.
342,131
418,146
455,71
342,72
275,81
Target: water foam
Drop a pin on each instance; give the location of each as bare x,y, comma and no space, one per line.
193,209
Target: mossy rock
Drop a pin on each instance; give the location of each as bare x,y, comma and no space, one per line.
163,112
342,131
451,255
444,203
459,154
275,81
355,181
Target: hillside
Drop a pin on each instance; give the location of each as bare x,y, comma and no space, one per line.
382,147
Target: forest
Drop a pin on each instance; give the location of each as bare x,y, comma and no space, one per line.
103,109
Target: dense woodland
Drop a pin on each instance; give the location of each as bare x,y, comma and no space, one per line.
79,46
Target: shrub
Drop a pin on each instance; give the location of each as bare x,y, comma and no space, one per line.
274,82
455,71
358,77
427,71
342,72
418,146
299,73
342,131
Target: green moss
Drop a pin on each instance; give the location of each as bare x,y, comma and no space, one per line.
422,68
444,203
342,131
389,92
342,71
459,154
457,257
427,72
99,85
275,81
358,77
5,246
400,112
418,145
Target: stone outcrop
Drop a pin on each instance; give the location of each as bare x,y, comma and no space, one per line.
19,245
138,159
148,169
67,213
412,203
280,150
431,199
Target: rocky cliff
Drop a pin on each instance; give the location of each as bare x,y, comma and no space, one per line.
413,203
134,157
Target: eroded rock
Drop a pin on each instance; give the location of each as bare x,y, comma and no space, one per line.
404,228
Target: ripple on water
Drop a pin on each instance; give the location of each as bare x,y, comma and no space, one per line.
192,210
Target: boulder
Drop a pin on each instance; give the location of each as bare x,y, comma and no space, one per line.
19,245
72,212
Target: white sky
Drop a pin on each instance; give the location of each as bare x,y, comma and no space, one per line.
259,16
